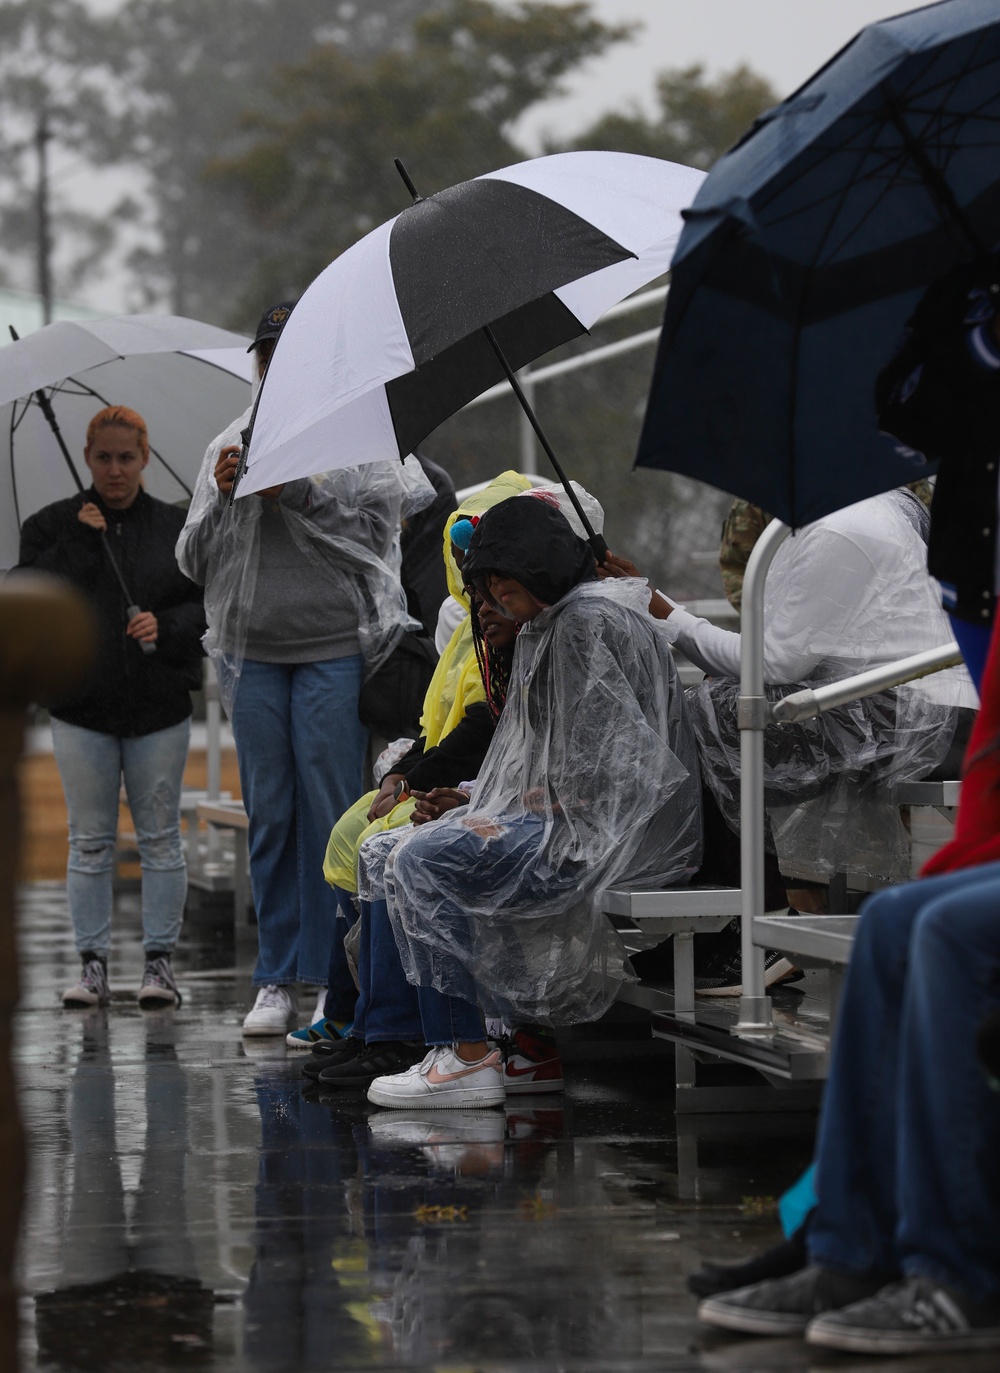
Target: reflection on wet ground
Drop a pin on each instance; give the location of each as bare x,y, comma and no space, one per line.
189,1206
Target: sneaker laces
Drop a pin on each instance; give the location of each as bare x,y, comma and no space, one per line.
158,973
435,1055
271,998
94,977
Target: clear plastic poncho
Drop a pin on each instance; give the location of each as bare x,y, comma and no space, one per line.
591,780
344,524
845,594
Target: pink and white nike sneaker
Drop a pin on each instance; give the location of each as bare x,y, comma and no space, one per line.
443,1079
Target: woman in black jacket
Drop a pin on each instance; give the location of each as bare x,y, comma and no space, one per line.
132,717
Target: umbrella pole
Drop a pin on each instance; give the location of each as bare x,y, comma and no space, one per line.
940,192
45,405
596,541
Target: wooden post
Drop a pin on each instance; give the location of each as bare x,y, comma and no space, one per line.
46,646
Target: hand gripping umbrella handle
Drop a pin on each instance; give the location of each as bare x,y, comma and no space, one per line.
147,647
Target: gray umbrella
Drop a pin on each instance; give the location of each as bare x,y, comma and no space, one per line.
187,379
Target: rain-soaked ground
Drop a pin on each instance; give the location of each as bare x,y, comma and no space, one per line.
190,1206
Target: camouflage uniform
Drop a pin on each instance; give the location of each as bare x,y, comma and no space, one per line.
743,527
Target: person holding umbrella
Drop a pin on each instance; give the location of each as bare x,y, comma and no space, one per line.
304,600
131,720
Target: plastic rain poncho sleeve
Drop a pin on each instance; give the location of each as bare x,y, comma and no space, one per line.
591,780
345,524
846,594
455,686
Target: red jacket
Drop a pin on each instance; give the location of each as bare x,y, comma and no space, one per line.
977,827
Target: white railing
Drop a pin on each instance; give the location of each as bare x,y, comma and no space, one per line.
532,378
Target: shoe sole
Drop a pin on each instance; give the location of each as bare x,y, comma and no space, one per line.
268,1033
80,1003
313,1076
749,1322
158,1001
441,1097
519,1087
778,972
897,1342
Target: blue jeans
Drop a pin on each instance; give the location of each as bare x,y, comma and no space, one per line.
301,749
389,1007
910,1131
92,767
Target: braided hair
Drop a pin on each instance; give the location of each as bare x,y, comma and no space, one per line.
494,663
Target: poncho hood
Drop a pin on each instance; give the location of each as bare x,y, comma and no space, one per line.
531,541
501,488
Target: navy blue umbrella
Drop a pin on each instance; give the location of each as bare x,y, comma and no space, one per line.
804,253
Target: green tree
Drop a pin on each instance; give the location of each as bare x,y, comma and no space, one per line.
184,75
697,119
318,172
52,105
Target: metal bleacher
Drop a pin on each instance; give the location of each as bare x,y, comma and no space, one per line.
784,1036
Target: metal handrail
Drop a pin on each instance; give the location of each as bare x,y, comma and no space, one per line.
807,704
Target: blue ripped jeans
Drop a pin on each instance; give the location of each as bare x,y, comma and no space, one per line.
92,767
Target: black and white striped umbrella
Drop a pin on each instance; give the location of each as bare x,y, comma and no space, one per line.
389,340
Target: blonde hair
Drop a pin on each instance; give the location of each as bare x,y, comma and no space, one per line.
119,416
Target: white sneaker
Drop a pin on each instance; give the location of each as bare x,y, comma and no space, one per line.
442,1079
274,1012
320,1012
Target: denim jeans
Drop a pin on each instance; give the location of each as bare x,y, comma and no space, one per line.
910,1131
389,1007
300,748
92,767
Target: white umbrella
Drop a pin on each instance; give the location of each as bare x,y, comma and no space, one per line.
426,311
187,379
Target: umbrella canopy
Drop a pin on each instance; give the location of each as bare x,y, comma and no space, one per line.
185,378
388,341
805,252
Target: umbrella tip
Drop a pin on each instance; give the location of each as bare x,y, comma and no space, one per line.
406,181
13,333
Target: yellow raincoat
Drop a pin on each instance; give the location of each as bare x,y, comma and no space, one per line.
455,686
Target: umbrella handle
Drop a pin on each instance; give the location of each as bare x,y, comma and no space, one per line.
147,647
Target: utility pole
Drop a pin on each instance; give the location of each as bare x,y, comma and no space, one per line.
42,136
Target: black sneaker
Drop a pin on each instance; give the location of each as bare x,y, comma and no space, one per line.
377,1060
91,987
718,963
726,978
325,1054
916,1316
159,988
784,1258
785,1306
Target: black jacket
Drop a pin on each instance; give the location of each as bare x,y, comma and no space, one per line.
937,399
457,758
128,693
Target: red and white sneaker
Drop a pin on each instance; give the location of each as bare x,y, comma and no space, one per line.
533,1065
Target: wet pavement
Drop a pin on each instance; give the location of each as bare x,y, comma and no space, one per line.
189,1206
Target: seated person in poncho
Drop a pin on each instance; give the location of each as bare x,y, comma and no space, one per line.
591,779
844,594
